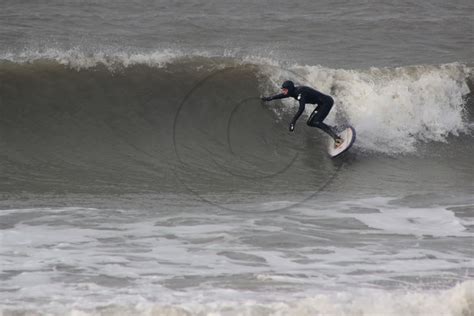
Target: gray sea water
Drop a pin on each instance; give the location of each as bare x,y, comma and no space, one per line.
140,174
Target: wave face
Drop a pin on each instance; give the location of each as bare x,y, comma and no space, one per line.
67,115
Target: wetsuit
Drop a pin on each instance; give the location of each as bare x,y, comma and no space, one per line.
306,95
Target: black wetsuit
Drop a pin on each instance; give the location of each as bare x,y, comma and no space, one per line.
306,95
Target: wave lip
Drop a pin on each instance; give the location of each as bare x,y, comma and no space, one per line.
79,59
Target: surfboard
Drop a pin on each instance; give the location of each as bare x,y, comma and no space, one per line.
349,136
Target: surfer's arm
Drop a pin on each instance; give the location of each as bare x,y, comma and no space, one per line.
275,97
300,111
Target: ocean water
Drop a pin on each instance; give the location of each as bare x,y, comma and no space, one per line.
140,174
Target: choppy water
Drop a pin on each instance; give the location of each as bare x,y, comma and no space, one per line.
140,173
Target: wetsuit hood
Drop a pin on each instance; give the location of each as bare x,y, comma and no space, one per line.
288,84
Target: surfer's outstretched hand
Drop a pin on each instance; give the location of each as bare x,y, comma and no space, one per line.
292,127
265,99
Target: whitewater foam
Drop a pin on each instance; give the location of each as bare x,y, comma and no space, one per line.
457,301
393,109
237,264
433,221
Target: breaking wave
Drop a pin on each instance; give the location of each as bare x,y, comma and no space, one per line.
67,110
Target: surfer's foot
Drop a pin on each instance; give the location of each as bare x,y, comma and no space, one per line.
338,142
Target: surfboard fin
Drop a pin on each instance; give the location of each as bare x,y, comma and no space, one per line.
338,142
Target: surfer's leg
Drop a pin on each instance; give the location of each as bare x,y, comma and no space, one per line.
328,129
317,117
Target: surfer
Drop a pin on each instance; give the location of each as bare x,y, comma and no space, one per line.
309,95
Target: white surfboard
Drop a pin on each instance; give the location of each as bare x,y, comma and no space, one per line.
349,136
